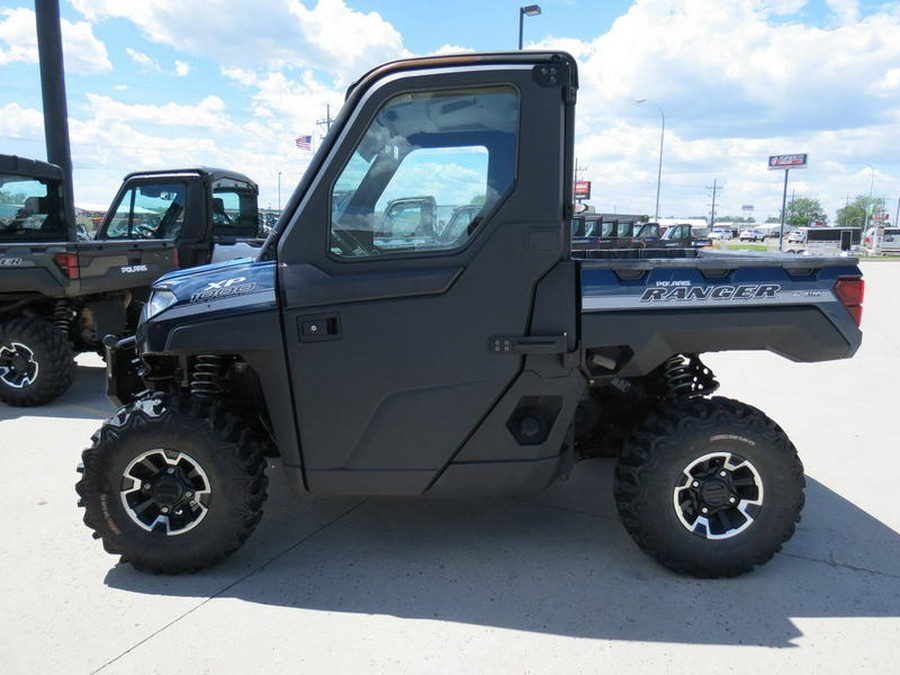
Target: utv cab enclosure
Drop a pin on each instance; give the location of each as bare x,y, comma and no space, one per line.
485,363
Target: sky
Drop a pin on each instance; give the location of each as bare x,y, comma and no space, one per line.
232,83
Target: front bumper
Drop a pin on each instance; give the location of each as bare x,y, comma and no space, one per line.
123,371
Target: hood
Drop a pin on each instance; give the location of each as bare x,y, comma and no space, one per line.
235,285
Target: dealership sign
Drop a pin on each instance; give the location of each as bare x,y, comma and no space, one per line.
787,161
582,189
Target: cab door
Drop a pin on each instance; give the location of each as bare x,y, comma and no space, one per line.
401,345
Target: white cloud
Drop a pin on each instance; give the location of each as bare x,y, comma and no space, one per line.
738,80
208,115
452,49
142,59
248,34
240,75
17,31
737,83
180,69
845,11
19,122
83,53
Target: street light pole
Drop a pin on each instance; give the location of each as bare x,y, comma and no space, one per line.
662,135
527,10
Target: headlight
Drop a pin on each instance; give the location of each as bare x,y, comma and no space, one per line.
159,300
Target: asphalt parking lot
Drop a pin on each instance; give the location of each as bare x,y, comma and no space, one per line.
550,584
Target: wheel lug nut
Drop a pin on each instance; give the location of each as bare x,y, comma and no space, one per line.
165,509
722,474
704,510
695,484
188,494
731,500
170,470
147,486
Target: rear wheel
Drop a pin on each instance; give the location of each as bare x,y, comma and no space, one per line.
710,487
36,362
172,484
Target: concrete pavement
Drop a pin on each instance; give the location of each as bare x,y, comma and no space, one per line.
550,584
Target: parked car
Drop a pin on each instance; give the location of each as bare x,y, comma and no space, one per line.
752,235
685,235
721,234
796,237
887,239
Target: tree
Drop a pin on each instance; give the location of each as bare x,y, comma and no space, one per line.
803,212
735,219
12,198
854,214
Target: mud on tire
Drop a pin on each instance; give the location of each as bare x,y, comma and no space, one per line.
172,484
709,487
36,362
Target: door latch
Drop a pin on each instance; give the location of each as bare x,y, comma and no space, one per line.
318,328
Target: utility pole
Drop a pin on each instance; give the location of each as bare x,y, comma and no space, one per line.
328,121
53,90
712,213
579,169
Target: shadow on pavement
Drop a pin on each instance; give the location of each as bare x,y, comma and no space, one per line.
558,564
85,399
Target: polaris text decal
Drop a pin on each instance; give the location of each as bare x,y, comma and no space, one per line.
675,291
12,262
134,269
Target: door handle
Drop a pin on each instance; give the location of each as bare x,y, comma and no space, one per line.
528,344
319,327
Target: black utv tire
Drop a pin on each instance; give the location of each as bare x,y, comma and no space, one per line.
36,362
709,487
172,484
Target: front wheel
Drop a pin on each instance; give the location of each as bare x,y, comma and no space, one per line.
709,487
172,484
36,362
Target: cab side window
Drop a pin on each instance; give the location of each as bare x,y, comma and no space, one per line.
426,173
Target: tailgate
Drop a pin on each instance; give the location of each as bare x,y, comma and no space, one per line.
114,265
32,269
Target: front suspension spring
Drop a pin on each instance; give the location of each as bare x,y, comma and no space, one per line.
206,377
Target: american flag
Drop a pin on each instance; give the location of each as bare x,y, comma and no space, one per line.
304,142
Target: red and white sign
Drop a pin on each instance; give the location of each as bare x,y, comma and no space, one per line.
582,189
787,161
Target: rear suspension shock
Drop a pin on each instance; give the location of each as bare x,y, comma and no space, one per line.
62,317
688,377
